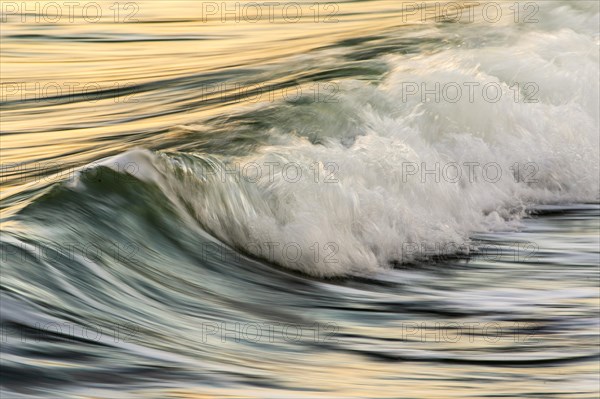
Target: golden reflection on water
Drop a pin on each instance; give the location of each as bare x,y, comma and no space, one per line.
153,42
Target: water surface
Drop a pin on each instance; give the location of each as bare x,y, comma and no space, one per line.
198,206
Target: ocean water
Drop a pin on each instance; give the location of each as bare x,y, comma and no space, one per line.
354,199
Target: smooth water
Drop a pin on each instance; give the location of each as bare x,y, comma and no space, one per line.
369,200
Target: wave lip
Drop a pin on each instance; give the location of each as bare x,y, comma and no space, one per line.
403,171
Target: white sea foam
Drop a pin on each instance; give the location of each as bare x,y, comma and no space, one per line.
376,205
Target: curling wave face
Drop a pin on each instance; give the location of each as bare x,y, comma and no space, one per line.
450,142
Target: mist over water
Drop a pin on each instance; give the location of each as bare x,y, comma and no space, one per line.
360,199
